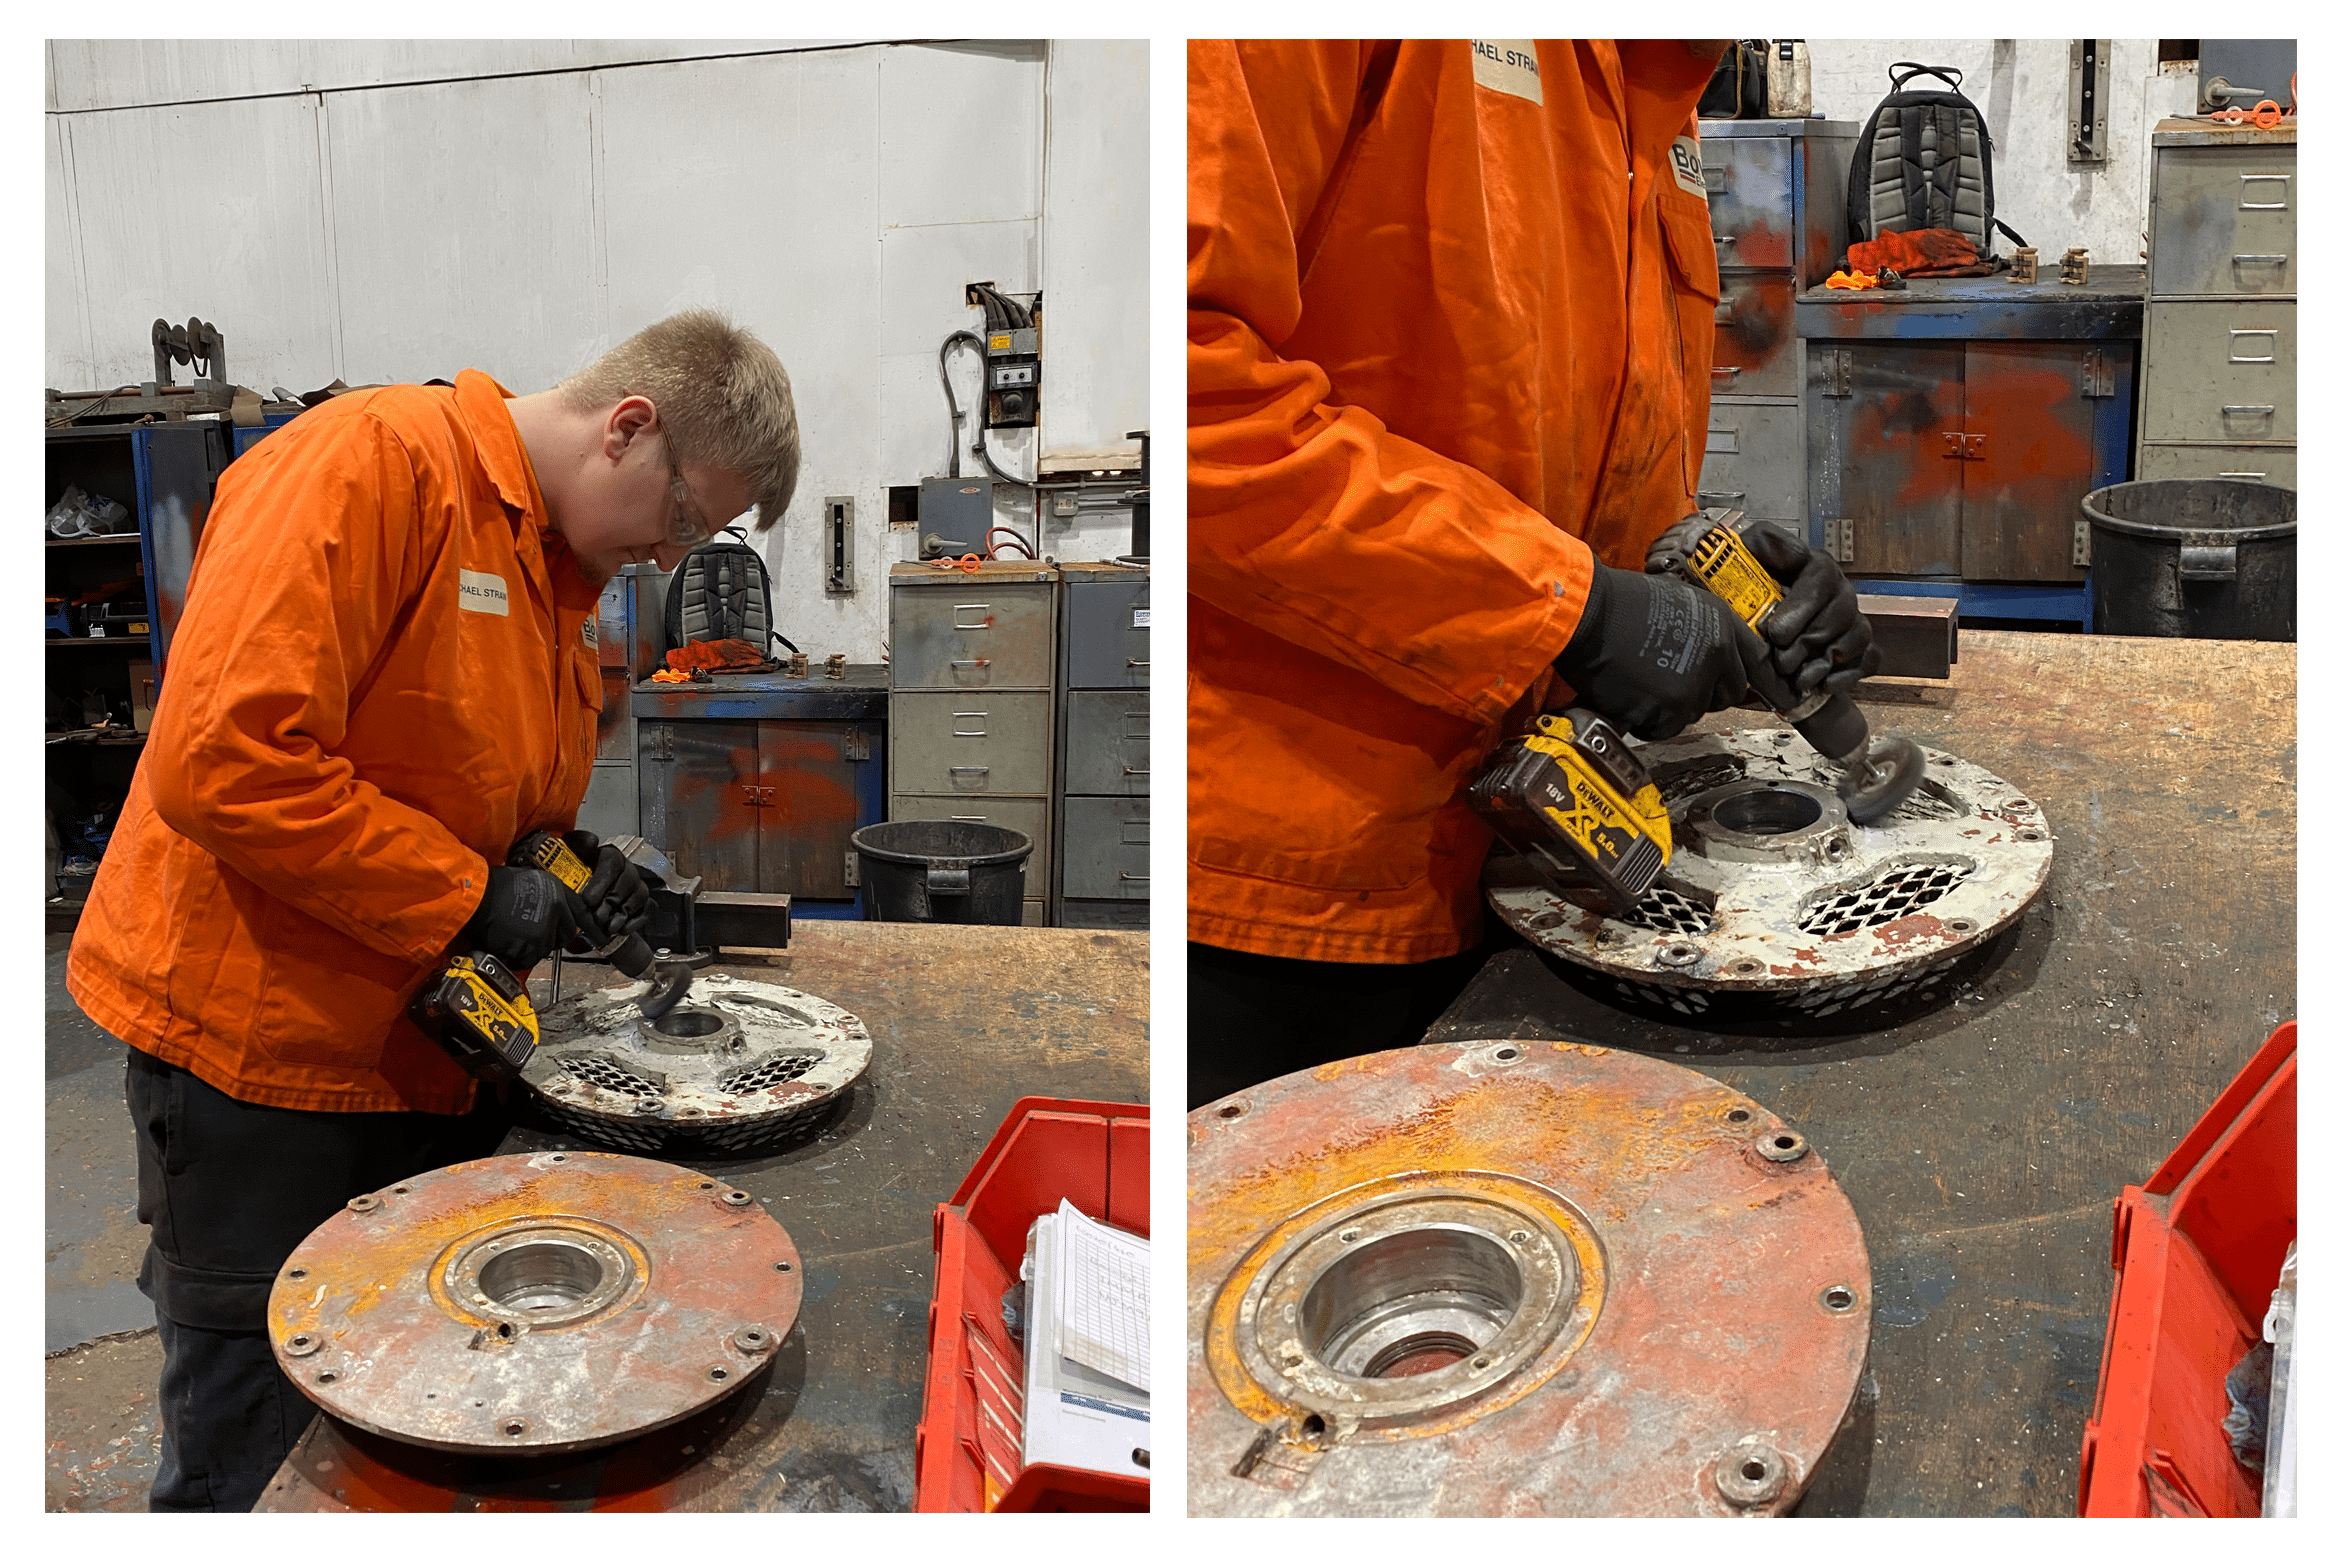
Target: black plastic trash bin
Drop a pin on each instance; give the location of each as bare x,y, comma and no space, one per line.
942,872
2204,557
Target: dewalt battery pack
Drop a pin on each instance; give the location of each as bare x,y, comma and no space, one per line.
481,1014
1574,800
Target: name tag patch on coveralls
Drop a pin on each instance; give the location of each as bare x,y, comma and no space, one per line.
481,593
1685,161
1508,65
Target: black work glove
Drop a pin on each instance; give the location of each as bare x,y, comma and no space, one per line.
1652,653
617,900
523,917
1818,636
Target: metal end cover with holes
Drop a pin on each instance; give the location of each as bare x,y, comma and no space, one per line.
1775,896
735,1067
543,1303
1510,1278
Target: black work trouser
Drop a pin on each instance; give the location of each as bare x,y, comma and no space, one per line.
1254,1018
228,1190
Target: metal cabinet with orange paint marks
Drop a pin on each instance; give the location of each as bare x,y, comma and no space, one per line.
755,782
1955,428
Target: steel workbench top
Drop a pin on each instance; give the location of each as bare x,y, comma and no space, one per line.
2107,305
1983,1140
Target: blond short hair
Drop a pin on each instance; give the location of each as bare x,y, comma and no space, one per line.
723,398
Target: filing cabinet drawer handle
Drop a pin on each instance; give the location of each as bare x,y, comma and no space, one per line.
965,817
1706,496
2257,477
972,662
968,733
1135,662
1716,370
962,608
2246,205
2259,260
968,768
2263,409
2238,332
1723,239
1135,771
1125,874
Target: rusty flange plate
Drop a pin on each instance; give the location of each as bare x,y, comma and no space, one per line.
535,1304
1774,896
1513,1278
736,1067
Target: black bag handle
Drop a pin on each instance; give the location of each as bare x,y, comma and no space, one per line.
1945,73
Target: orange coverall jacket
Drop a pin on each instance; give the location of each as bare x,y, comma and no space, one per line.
384,678
1446,345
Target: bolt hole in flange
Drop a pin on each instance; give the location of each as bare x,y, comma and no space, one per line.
1751,1474
1784,1146
1231,1110
1839,1298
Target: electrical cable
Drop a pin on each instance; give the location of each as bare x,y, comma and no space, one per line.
951,402
1015,537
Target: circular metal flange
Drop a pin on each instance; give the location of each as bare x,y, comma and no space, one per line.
1513,1278
542,1303
736,1066
1775,896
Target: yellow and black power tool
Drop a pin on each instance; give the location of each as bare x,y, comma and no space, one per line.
1874,778
479,1009
1573,798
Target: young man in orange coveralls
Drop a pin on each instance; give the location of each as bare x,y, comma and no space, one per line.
385,677
1449,354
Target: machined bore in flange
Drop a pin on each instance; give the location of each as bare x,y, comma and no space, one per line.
1412,1305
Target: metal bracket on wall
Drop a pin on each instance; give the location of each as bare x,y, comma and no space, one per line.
2100,375
838,546
2081,552
1834,365
1840,538
2088,100
858,747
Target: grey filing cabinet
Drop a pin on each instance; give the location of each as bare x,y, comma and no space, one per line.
2218,397
1778,198
971,702
1102,812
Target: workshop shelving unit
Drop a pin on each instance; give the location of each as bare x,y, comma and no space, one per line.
1778,198
971,703
2218,395
1102,787
163,473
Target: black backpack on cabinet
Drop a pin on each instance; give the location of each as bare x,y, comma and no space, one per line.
720,593
1924,160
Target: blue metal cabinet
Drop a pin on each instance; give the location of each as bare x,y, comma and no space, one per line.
1955,428
756,782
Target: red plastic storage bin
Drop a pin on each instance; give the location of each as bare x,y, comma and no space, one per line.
966,1451
2198,1252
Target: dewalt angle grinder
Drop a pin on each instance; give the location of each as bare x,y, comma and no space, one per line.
1574,800
479,1009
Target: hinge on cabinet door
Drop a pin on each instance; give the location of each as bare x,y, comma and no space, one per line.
663,745
2080,552
858,746
1840,538
1834,365
754,796
2100,376
1965,447
854,869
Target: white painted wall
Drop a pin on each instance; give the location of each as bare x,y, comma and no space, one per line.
2021,88
397,211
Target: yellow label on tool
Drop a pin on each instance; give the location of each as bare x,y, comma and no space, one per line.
553,855
491,1012
1728,568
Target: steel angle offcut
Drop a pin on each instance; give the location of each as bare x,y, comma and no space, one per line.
1513,1278
1775,898
535,1304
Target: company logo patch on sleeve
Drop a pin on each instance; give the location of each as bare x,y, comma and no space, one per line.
590,632
1508,65
482,593
1685,161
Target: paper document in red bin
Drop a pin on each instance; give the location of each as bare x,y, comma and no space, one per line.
1086,1345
